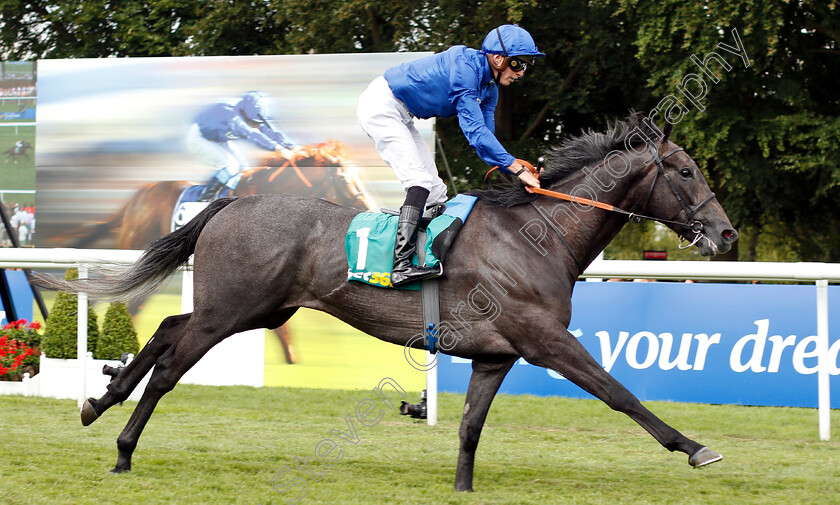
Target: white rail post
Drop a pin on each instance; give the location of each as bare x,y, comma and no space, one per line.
82,339
823,373
431,388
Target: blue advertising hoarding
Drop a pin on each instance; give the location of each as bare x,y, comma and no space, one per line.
21,296
706,343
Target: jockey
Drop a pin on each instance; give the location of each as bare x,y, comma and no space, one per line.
245,119
459,81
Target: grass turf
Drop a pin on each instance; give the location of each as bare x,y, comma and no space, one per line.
224,445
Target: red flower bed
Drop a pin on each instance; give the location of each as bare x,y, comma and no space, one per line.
19,349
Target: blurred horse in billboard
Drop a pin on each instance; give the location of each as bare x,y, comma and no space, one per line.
320,172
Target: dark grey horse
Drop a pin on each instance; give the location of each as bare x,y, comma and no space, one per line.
259,258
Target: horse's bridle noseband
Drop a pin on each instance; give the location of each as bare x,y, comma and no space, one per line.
691,223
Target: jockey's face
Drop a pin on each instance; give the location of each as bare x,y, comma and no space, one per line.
507,75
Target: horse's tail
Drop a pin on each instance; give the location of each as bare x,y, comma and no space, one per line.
158,262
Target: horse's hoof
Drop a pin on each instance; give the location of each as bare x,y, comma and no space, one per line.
118,470
704,456
89,414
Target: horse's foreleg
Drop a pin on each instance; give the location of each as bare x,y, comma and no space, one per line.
484,383
118,390
567,356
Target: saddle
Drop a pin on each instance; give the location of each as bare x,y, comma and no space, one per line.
369,241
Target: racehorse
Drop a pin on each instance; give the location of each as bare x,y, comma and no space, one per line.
525,251
14,152
318,170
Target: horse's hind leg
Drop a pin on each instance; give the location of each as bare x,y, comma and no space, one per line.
568,357
484,383
194,343
168,370
118,390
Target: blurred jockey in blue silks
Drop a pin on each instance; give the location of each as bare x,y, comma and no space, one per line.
459,81
245,119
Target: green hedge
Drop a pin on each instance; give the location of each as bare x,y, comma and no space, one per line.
118,334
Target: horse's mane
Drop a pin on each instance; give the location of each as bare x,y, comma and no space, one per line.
569,157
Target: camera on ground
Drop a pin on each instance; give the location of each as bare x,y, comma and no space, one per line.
114,371
417,411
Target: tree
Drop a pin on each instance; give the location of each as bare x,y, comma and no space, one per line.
93,29
60,333
768,137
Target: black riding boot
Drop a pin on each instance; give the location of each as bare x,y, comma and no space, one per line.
211,191
404,270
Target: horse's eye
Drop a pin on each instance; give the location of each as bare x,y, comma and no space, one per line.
686,173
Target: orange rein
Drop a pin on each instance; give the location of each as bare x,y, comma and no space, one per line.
297,170
556,194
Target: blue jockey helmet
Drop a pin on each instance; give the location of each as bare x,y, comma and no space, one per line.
510,40
254,107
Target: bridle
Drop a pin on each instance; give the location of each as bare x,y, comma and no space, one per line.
691,222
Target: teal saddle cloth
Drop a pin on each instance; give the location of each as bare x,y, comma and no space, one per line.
371,236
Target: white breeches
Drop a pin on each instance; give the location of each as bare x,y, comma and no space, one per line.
224,157
387,121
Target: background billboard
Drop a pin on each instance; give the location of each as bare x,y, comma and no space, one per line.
705,343
109,127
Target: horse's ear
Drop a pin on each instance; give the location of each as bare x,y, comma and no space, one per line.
669,127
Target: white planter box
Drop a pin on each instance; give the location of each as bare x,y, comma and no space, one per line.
61,378
27,387
213,369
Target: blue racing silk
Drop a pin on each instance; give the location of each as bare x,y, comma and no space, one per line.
222,122
458,82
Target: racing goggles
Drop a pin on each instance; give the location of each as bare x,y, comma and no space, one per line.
519,63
